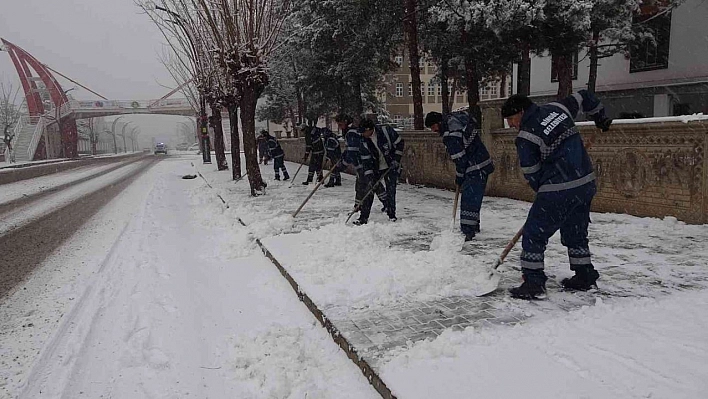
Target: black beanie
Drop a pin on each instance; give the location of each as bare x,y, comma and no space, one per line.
367,124
433,118
515,104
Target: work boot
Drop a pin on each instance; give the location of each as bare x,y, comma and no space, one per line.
320,178
469,237
583,280
338,182
277,177
360,222
329,184
533,287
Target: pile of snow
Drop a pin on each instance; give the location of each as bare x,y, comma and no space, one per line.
356,267
681,118
641,348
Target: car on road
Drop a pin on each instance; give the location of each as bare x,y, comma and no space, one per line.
160,148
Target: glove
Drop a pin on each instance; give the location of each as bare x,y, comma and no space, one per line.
602,121
459,180
603,124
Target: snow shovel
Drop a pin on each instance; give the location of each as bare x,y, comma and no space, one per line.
454,209
319,183
240,178
297,171
492,279
356,208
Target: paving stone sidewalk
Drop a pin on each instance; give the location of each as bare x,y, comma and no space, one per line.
631,265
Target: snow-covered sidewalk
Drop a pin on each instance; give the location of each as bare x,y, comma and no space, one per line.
403,294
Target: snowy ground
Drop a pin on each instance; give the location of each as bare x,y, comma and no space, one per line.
403,294
164,295
170,297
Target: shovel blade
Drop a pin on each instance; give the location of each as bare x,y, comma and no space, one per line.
488,285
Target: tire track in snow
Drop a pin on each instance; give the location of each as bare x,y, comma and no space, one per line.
13,199
35,231
77,323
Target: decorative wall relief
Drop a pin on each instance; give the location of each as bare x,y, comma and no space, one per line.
629,169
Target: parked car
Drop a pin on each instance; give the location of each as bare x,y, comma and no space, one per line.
182,146
160,148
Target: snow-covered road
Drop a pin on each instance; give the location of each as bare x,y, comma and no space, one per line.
160,297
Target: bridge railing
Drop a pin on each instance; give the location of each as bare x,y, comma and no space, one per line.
179,103
36,136
21,122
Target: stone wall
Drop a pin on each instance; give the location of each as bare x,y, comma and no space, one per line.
649,169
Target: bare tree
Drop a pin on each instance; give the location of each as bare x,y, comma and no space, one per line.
9,114
245,34
177,20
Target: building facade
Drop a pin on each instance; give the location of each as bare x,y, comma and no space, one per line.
398,94
665,78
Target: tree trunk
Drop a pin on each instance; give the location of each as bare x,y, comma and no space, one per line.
359,104
204,132
219,147
592,77
248,123
300,107
523,82
410,27
444,87
235,143
502,87
453,93
296,134
564,66
473,89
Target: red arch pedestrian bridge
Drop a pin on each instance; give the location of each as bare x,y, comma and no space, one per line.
47,126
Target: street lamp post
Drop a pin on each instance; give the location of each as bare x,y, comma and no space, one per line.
132,137
113,132
125,147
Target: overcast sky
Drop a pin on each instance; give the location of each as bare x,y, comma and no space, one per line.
106,45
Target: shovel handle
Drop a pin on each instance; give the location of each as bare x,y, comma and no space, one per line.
509,247
319,183
454,208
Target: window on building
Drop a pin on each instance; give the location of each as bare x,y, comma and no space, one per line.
440,89
398,60
652,53
431,88
399,89
682,109
410,89
421,62
554,67
484,92
422,88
